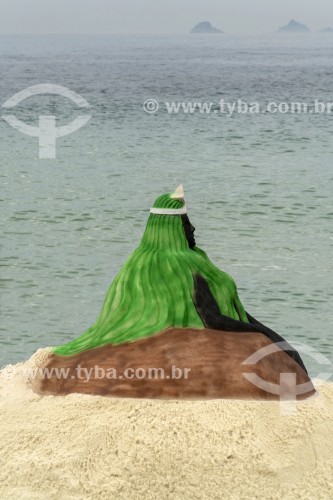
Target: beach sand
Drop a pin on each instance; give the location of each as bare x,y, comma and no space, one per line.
91,447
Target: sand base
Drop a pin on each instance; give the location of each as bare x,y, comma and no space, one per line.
89,447
212,360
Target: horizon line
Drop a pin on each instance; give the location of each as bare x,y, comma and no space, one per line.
277,32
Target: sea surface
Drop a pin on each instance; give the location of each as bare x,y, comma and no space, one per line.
259,186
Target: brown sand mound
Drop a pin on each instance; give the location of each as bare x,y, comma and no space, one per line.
82,447
178,364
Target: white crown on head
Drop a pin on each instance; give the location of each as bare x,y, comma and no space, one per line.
177,195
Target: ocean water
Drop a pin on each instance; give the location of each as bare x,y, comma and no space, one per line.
258,186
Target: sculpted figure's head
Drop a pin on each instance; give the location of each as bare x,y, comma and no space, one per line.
169,212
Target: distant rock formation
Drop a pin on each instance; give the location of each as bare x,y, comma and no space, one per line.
205,27
294,27
326,30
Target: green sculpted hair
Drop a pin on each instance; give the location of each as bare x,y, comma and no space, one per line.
154,289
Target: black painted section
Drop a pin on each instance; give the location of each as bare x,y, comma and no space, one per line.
211,316
189,230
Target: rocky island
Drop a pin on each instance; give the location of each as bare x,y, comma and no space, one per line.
205,27
294,27
326,30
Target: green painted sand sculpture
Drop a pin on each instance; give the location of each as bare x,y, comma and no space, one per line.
169,307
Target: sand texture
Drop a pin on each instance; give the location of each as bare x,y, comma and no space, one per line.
89,447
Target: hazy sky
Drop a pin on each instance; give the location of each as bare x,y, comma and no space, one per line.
159,16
